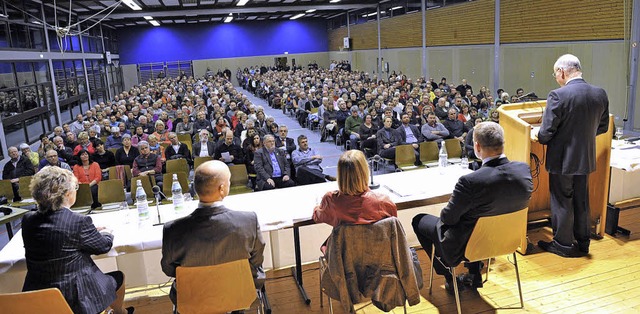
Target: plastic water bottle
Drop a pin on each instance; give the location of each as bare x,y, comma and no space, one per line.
176,192
442,158
141,202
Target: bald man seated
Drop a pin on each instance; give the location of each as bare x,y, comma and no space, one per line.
212,234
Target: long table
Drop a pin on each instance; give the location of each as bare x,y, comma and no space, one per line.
136,247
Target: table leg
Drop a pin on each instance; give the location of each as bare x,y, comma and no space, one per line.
9,230
297,270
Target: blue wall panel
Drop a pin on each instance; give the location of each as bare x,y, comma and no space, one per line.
220,40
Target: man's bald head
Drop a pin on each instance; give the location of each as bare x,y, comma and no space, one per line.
211,181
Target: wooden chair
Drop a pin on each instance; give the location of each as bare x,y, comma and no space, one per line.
6,190
239,180
185,138
38,301
197,161
84,199
24,192
177,165
113,150
492,236
113,174
147,185
454,150
215,289
111,192
167,180
405,157
429,154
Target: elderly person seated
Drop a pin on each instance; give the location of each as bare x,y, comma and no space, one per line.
271,166
85,288
17,166
161,134
33,157
139,136
147,164
126,154
52,159
115,139
88,172
83,143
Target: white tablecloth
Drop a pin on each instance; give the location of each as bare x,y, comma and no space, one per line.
136,247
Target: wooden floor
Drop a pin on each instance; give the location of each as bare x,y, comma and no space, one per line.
607,281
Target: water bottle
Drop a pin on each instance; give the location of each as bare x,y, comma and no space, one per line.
141,202
442,158
176,191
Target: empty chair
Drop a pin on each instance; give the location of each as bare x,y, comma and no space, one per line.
454,150
37,301
84,199
405,157
122,172
239,180
197,161
232,288
6,190
147,185
110,192
185,138
491,237
429,153
177,165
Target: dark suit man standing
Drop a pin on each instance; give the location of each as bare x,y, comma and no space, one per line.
576,112
271,166
212,234
499,187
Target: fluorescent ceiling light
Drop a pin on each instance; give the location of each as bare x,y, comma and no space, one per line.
154,23
371,14
148,18
334,1
242,3
297,16
3,15
228,19
310,10
395,8
132,4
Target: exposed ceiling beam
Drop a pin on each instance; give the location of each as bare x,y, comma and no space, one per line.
168,13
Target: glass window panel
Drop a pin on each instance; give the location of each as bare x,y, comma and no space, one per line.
4,35
58,70
82,88
14,133
85,44
72,86
24,73
75,43
34,127
42,71
63,92
18,36
69,69
29,97
54,41
37,39
79,68
7,79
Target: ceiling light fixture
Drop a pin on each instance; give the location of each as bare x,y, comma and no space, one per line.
132,4
4,16
297,16
148,18
395,8
242,3
310,10
154,23
334,1
228,18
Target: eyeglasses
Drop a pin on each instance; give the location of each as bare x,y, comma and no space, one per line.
77,186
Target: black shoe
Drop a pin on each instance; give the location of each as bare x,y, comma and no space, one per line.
583,247
555,248
448,284
473,281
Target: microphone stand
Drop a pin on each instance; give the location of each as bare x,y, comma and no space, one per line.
158,207
373,185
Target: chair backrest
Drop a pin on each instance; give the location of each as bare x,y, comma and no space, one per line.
6,189
200,160
215,289
177,165
83,196
113,173
185,138
167,180
38,301
23,187
113,150
428,152
239,176
497,235
111,191
146,185
405,156
454,148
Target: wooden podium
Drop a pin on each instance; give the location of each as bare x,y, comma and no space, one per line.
518,120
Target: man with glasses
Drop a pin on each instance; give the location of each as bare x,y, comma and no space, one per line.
51,159
576,112
271,166
147,164
18,166
177,150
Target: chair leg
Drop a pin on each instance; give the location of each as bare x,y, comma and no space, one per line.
320,278
433,256
405,307
488,266
515,263
455,289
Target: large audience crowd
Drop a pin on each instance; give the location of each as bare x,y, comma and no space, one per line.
185,118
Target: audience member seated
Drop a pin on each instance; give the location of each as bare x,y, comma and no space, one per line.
83,143
212,234
161,134
104,158
87,171
139,136
115,139
434,130
352,126
184,126
147,164
32,156
409,134
17,166
229,152
177,150
499,187
251,144
70,140
388,138
456,128
52,159
368,131
204,147
307,164
127,153
271,166
58,247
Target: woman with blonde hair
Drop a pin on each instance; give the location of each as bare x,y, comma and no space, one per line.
59,243
353,203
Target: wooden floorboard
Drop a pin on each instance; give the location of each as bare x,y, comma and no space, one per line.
608,281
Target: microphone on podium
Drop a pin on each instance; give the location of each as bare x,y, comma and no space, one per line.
157,193
375,159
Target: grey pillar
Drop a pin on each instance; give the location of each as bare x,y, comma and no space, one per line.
634,53
379,51
425,67
496,49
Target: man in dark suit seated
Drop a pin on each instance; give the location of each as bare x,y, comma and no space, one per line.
271,166
177,150
18,166
212,234
204,147
499,187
